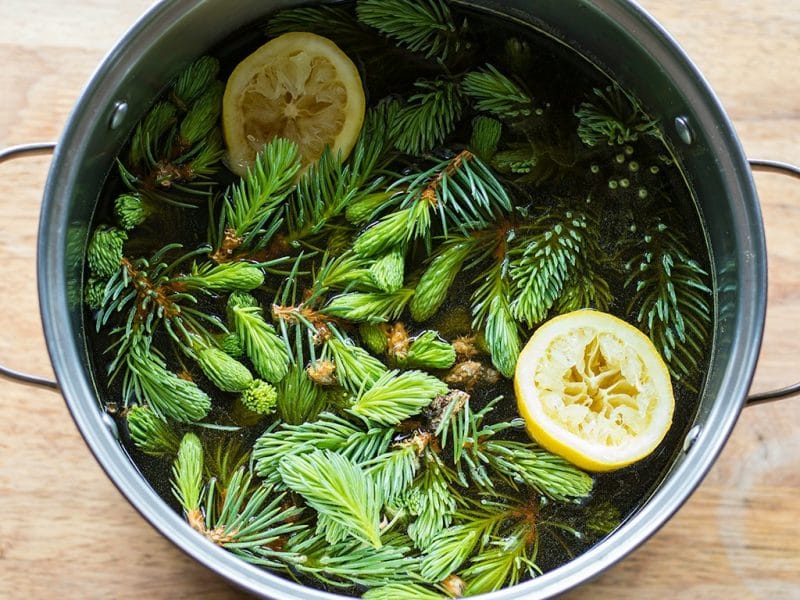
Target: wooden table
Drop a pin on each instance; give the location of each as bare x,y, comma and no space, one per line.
66,532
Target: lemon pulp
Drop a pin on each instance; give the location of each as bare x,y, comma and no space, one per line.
594,389
299,86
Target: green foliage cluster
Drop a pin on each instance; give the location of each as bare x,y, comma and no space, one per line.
315,305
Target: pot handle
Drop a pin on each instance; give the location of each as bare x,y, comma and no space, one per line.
783,168
9,154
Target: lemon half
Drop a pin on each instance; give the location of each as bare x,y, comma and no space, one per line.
299,86
594,389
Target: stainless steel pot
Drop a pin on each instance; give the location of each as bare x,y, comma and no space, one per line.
663,78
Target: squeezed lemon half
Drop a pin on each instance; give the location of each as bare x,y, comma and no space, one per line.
299,86
594,389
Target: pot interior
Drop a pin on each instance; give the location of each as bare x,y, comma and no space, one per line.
653,69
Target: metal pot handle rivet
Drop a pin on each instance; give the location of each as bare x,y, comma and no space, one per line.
8,154
774,166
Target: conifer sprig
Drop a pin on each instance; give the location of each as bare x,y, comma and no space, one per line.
492,313
396,396
613,119
148,381
544,265
369,307
328,432
460,193
427,117
251,521
251,212
350,562
152,435
262,345
493,92
432,500
426,27
672,299
337,488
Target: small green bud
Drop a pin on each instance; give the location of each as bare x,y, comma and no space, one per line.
388,271
151,435
105,250
130,210
94,293
260,397
194,80
231,344
373,335
225,372
203,115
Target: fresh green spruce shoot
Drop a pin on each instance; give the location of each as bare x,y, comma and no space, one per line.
262,345
427,117
397,395
424,26
152,435
427,351
671,298
105,251
187,474
225,372
493,92
613,119
194,81
337,488
485,138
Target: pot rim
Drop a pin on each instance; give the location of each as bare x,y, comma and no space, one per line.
66,351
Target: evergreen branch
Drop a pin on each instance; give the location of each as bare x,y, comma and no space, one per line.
356,368
104,253
349,562
397,396
250,205
432,500
262,345
453,546
225,372
151,435
249,524
613,119
187,475
462,191
202,116
535,467
328,432
150,382
493,314
193,81
131,210
146,142
495,93
394,471
370,307
333,22
299,399
673,298
388,271
545,262
337,488
427,117
422,26
504,561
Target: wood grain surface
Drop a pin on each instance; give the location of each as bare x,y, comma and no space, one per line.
66,532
